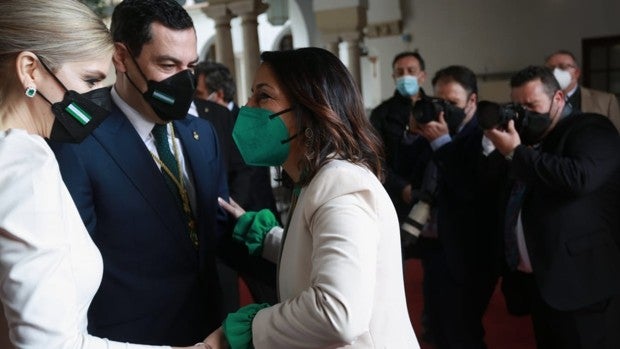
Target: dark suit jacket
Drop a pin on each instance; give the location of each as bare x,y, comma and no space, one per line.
467,204
570,211
237,171
250,186
156,288
406,155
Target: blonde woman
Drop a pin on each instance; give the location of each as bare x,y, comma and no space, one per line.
54,55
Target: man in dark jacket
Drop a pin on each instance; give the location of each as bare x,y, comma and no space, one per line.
566,237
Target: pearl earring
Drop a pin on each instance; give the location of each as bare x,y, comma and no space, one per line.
31,91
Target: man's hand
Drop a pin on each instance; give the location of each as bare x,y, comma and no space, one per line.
505,141
431,130
407,194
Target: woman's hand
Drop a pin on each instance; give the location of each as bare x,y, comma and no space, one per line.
216,340
232,207
201,345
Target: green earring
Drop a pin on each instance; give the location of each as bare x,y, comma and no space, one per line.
31,91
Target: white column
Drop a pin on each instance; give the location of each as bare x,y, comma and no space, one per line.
223,38
248,10
352,40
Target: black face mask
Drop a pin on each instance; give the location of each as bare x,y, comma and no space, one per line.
533,126
77,115
454,117
170,98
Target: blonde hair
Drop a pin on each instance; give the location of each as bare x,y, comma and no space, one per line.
57,31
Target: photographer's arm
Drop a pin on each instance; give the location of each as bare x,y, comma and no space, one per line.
505,141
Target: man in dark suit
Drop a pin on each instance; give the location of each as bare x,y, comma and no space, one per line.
250,186
463,272
565,240
567,72
146,183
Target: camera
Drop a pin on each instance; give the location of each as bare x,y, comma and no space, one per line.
427,109
493,115
420,213
414,223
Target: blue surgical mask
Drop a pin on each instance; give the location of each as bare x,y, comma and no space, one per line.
407,85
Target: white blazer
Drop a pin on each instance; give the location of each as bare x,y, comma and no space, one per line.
340,271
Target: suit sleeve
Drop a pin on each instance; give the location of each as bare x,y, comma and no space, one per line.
78,183
590,156
613,111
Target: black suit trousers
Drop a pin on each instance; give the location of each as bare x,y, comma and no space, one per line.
596,326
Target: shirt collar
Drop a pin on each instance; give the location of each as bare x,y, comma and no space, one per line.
142,125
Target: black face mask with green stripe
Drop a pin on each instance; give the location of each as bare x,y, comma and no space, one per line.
78,114
170,98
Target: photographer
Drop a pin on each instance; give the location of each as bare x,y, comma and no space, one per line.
566,235
406,154
462,275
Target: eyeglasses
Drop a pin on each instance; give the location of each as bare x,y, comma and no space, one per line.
563,66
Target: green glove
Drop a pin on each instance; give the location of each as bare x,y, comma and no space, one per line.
251,229
237,326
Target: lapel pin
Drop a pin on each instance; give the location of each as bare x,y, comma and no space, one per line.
196,136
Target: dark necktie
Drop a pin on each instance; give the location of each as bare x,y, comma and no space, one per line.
513,208
173,177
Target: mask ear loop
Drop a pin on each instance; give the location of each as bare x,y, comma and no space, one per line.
275,115
53,75
131,55
55,78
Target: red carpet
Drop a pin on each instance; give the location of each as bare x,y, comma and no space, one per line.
503,331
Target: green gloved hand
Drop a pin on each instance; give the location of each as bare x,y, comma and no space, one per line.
237,326
251,229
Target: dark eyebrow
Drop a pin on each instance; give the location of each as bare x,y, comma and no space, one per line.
174,60
261,85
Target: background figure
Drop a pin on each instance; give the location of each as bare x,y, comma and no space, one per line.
146,184
252,188
340,273
51,87
461,276
406,153
567,72
248,185
564,241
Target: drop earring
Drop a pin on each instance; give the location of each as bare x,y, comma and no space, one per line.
31,91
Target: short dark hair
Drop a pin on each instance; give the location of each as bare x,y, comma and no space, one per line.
459,74
413,54
563,52
132,19
217,77
531,73
328,106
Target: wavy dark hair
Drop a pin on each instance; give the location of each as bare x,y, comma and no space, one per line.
328,107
